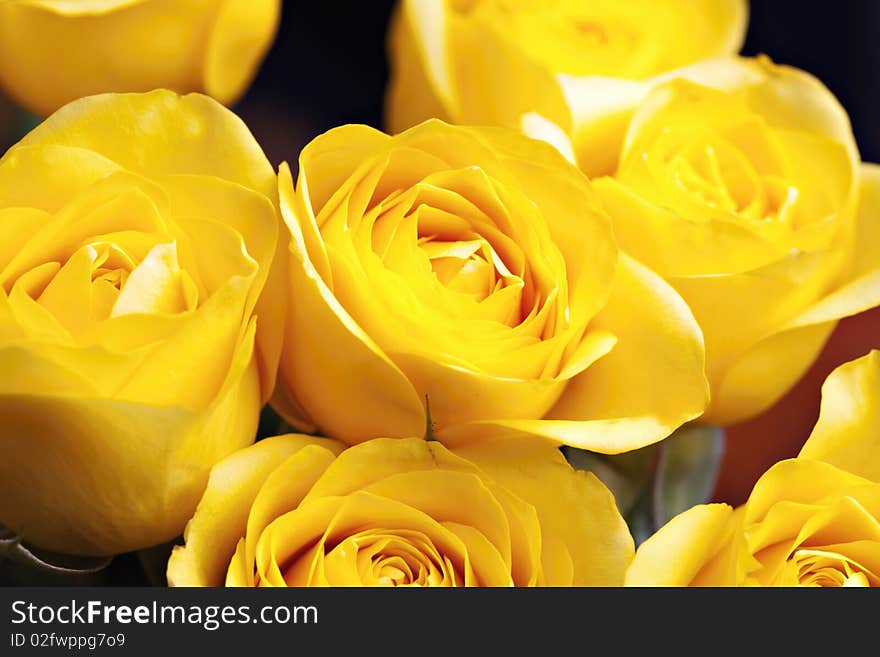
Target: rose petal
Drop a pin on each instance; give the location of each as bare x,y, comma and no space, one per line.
846,434
574,508
672,556
222,514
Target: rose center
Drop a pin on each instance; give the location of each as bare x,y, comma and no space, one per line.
820,568
719,175
381,558
401,564
471,267
102,279
111,264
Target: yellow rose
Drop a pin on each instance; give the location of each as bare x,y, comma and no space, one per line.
471,271
739,182
813,520
55,51
489,61
299,511
136,232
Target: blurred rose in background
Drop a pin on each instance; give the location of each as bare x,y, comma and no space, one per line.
53,52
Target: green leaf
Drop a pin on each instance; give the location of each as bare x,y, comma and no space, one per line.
686,471
30,565
654,484
640,520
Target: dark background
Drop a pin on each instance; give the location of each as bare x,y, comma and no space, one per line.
328,65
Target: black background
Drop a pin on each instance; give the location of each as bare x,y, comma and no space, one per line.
328,65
